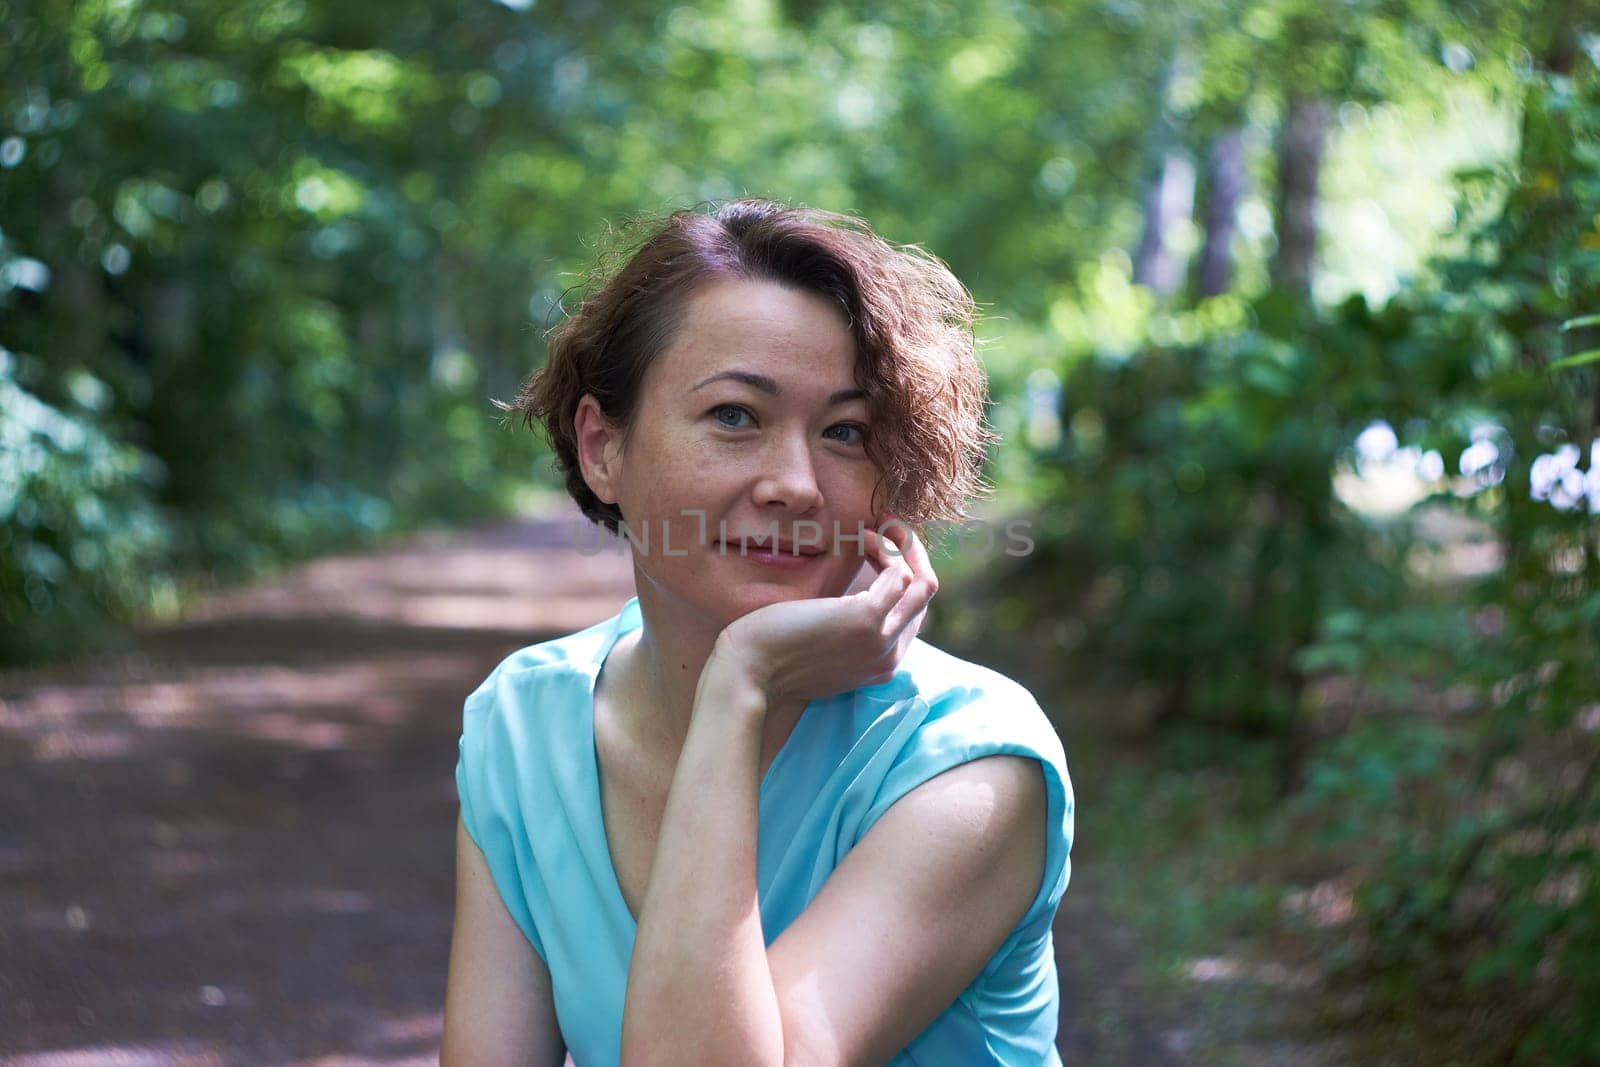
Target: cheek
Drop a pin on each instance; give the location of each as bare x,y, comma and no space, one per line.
669,464
854,494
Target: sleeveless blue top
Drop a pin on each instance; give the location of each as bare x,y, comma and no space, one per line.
530,798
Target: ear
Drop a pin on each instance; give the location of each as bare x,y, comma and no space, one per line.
599,449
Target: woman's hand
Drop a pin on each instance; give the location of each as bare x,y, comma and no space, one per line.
802,650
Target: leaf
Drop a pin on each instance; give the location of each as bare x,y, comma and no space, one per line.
1581,321
1579,360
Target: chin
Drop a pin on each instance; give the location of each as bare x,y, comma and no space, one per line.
741,598
752,595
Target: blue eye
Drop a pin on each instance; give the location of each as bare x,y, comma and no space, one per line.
856,426
717,411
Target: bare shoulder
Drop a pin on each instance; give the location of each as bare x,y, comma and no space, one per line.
940,880
499,1002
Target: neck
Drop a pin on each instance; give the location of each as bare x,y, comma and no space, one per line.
668,655
664,659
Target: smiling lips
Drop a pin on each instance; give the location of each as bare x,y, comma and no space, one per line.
784,548
785,554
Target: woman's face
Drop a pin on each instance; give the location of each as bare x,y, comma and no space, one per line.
751,417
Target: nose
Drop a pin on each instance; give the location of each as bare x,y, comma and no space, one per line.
788,478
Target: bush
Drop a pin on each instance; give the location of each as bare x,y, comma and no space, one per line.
80,539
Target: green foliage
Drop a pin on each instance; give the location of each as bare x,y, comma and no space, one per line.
1195,481
80,539
304,244
1442,715
1370,785
1501,883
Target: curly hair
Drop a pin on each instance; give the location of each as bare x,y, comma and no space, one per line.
912,321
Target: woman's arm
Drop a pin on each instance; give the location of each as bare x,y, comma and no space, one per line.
499,1008
904,923
913,913
699,989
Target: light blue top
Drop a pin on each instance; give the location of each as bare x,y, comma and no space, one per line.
530,798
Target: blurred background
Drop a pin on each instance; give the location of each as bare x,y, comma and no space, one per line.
1293,328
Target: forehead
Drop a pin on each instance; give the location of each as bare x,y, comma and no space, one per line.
786,333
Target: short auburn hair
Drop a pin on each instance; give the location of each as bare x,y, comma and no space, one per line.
912,321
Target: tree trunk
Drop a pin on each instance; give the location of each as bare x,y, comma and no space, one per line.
1168,199
1168,196
1226,181
1300,146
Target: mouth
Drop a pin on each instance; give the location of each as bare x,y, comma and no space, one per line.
766,549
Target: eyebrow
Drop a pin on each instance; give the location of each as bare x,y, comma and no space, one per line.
768,385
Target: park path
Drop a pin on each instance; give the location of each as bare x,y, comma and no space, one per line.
232,842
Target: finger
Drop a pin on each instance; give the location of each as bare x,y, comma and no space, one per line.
909,605
902,609
910,548
906,614
903,628
924,581
880,553
885,553
887,587
922,563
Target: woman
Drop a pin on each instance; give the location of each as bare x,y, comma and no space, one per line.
752,818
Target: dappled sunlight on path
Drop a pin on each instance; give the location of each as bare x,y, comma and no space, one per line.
234,844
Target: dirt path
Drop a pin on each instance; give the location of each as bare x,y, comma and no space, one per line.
234,844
